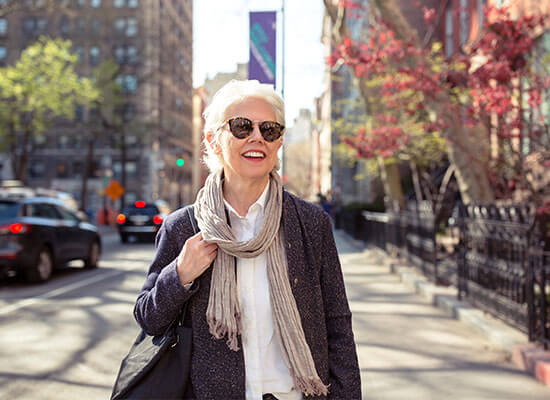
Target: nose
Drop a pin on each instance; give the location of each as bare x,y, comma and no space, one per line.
256,134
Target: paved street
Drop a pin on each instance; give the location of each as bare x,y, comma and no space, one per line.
65,340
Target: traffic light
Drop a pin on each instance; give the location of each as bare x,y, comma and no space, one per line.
180,162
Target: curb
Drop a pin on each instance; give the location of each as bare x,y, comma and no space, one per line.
529,357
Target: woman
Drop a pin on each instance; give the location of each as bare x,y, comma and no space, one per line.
266,296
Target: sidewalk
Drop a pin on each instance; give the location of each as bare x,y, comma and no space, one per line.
409,349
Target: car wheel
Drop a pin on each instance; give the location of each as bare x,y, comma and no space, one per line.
93,255
42,269
123,238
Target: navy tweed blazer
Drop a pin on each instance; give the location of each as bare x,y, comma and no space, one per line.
317,284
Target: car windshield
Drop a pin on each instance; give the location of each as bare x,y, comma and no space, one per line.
147,210
8,209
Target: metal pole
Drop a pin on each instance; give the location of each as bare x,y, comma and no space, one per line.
283,51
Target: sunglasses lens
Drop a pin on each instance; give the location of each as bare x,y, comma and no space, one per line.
240,127
271,130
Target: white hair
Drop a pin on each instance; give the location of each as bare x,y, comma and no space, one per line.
235,92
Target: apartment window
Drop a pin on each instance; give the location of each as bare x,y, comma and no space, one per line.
65,27
37,169
80,26
62,170
3,26
79,50
94,55
33,25
79,113
464,25
78,168
131,55
449,50
480,15
131,27
126,26
131,141
131,169
128,111
126,54
29,25
3,53
41,24
120,55
119,3
133,3
95,3
81,3
128,83
96,26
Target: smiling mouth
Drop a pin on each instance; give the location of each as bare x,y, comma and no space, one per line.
254,155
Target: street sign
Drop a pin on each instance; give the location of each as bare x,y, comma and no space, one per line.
114,190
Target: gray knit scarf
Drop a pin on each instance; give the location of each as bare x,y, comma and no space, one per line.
224,313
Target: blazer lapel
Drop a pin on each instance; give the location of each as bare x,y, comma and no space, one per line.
292,241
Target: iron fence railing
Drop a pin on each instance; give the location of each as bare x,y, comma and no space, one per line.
497,262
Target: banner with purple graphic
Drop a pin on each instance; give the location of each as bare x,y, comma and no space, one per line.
262,62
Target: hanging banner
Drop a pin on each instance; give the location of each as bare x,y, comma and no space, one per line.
262,62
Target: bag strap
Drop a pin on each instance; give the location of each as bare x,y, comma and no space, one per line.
191,214
190,211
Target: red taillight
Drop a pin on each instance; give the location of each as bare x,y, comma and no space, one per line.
140,204
157,219
16,228
121,218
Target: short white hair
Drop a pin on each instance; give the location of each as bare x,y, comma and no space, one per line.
235,92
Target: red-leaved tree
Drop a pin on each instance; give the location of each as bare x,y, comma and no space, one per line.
487,101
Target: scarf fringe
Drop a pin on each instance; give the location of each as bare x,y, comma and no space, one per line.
218,329
310,386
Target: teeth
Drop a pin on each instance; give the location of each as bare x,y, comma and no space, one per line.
253,154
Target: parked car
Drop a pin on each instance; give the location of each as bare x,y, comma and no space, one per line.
38,234
141,219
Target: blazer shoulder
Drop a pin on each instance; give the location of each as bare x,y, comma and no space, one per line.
178,220
307,211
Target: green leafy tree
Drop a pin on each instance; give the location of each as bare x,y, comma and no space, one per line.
41,87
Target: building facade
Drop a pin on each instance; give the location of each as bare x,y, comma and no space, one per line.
338,176
151,42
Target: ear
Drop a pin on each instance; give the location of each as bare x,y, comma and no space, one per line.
213,143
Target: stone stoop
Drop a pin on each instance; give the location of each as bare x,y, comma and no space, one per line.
534,360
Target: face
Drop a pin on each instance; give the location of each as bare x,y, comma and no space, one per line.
250,159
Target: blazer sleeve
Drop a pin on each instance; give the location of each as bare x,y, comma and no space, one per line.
162,296
344,374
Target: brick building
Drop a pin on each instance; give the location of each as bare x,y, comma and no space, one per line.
151,41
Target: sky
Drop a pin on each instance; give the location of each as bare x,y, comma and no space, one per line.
220,41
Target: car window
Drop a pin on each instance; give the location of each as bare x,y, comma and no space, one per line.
8,209
43,211
67,215
147,210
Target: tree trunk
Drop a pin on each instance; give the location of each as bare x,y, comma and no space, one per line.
416,181
471,172
389,175
123,164
21,172
87,173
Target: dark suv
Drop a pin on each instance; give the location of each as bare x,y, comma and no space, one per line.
142,220
39,233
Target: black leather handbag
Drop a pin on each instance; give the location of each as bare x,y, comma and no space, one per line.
158,367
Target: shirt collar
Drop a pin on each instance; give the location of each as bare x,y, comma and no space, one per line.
260,203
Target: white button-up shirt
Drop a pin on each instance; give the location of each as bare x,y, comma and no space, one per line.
265,368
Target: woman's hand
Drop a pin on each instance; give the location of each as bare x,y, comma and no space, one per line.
195,257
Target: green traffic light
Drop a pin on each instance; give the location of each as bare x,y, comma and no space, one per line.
180,162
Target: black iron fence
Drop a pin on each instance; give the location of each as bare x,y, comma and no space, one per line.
495,256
